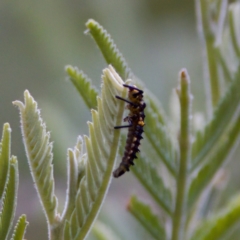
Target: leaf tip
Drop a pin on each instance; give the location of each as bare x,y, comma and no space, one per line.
69,69
13,160
184,77
6,127
91,23
19,104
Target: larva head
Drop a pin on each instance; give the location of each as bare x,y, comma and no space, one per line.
135,95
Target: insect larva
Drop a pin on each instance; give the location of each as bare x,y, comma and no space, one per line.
135,119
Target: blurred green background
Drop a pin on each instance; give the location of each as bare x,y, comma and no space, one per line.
39,38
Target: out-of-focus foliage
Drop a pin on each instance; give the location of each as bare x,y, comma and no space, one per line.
39,38
193,178
9,182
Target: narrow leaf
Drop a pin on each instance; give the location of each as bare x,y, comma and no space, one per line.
154,105
207,139
4,156
9,199
73,180
103,232
221,223
158,136
20,228
39,153
147,174
101,149
234,11
145,216
224,66
84,86
211,33
66,231
208,170
108,48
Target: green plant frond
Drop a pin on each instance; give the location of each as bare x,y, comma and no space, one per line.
234,11
216,226
39,153
9,201
101,148
4,156
147,174
103,232
145,216
73,225
115,58
108,48
83,85
224,66
74,175
154,106
20,228
158,136
208,170
207,139
66,231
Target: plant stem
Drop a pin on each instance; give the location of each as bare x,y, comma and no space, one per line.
184,145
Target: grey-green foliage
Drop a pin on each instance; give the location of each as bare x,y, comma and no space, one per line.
217,226
108,48
9,185
147,218
20,228
182,172
83,85
90,163
179,170
103,232
39,149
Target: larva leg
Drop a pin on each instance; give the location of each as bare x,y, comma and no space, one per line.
124,126
125,100
133,88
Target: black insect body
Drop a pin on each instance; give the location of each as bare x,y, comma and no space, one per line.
135,119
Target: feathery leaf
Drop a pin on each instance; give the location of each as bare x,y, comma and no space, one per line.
66,231
147,174
145,216
74,157
101,149
20,228
206,140
108,48
219,224
4,156
39,153
114,57
158,136
83,85
207,171
154,105
9,199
